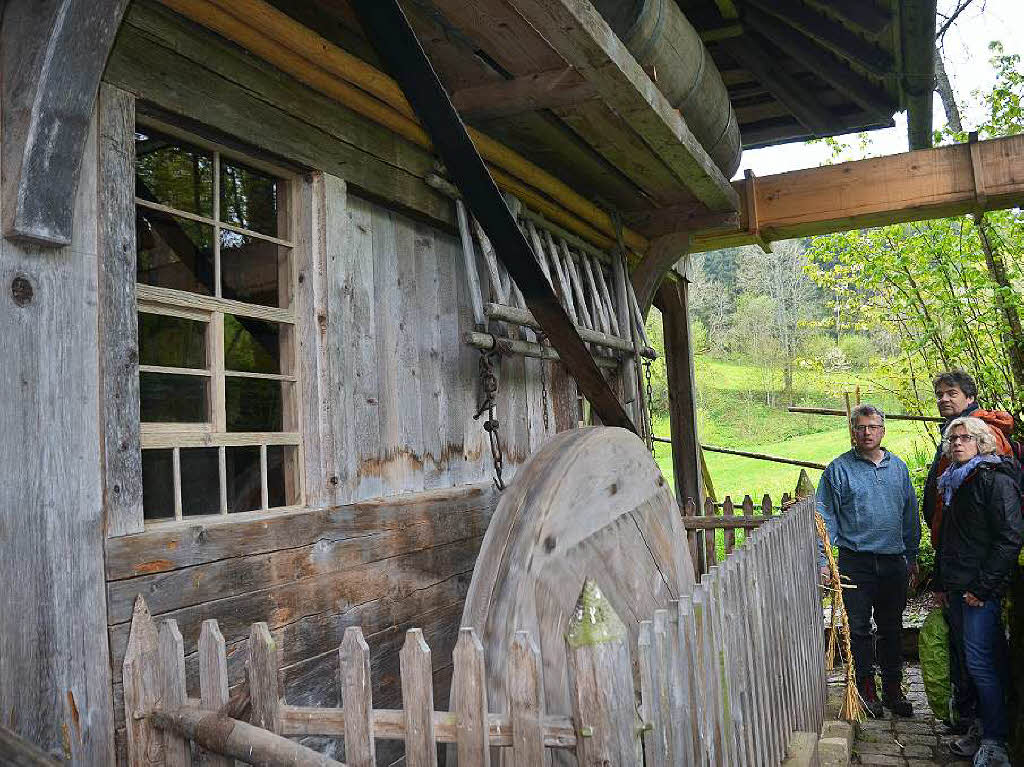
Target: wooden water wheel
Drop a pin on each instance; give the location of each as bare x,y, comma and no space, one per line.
591,503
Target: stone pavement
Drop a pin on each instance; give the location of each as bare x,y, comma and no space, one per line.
917,742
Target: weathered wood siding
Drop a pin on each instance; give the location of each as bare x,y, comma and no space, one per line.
384,565
388,394
54,678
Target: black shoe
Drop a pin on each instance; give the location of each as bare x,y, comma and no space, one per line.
894,700
869,697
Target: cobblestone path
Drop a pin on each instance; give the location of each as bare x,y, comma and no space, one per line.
917,742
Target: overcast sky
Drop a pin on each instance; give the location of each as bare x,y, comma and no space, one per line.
966,55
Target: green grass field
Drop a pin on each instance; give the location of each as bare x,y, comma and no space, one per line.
732,413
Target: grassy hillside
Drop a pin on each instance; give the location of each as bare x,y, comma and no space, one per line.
732,412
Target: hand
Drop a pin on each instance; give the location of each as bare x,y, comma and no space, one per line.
972,600
826,575
943,598
915,573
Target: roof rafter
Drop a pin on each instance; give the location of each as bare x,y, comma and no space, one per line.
843,79
829,33
767,69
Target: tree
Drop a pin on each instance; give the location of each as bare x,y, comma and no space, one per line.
780,275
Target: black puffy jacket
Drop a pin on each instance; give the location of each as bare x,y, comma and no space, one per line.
982,532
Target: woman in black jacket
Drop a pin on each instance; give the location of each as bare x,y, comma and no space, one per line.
981,537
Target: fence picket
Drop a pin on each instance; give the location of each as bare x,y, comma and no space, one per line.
689,660
171,650
469,696
356,698
710,698
710,550
729,534
525,691
417,700
141,677
655,742
213,679
266,703
677,692
601,679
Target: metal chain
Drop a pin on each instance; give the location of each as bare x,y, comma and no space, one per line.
489,387
650,402
543,385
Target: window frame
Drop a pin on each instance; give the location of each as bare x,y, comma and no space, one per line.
211,310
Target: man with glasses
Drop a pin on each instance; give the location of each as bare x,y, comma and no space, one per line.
870,510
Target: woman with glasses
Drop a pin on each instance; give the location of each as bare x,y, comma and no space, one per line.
981,537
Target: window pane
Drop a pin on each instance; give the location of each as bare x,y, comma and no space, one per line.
173,173
282,475
253,404
174,252
200,481
243,474
157,484
251,346
248,198
249,269
171,341
167,398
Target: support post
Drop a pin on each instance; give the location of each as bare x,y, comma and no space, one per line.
673,301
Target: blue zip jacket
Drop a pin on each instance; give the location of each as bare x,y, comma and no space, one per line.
870,508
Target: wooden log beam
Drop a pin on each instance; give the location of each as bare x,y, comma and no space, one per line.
829,33
840,77
586,41
52,53
913,186
888,416
768,70
763,457
673,300
542,90
231,737
917,29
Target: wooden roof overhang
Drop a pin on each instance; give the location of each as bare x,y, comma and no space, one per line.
562,112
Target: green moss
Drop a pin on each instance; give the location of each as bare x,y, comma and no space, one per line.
594,622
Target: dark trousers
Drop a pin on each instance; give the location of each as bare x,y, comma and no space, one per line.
881,581
965,697
987,658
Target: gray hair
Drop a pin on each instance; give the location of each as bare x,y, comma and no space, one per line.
976,428
866,410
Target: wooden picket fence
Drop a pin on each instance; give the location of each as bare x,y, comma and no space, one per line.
703,523
727,675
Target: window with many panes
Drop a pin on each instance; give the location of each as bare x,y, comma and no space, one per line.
217,372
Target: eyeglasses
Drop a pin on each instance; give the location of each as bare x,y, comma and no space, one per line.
955,439
868,427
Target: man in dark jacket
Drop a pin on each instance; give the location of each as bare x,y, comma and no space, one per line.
956,396
981,536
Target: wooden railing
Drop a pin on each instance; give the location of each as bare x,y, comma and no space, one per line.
727,674
708,546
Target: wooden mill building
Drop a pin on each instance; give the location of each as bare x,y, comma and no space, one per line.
245,291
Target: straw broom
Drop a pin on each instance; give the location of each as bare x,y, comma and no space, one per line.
839,629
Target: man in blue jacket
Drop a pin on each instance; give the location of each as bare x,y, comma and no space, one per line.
870,510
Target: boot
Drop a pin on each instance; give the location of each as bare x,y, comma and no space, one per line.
869,697
992,753
967,744
894,700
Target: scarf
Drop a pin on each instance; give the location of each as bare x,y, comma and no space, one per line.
955,475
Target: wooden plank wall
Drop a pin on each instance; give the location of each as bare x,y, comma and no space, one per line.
385,565
389,391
